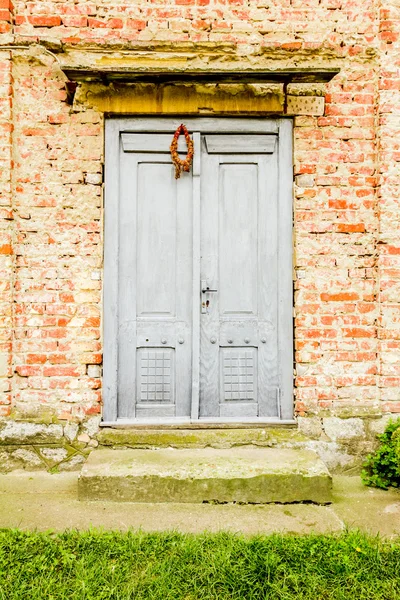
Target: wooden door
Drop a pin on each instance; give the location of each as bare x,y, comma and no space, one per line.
154,282
197,282
239,375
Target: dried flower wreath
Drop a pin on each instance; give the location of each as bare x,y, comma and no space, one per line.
182,165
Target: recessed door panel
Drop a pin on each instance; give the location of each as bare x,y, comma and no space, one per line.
238,238
156,240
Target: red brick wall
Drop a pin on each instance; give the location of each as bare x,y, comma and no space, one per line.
346,168
58,247
388,197
6,222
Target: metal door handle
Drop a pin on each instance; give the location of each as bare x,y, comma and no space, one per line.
205,288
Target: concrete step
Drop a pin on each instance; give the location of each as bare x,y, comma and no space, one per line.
240,475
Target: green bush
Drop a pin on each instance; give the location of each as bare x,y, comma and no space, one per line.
382,468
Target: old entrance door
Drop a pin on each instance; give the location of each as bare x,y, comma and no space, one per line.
197,292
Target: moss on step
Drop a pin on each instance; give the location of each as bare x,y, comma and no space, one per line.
199,438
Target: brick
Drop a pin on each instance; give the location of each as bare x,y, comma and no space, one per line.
36,359
61,371
74,21
28,371
44,21
108,24
340,297
351,227
6,249
358,332
5,15
136,24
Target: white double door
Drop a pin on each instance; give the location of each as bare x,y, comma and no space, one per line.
197,290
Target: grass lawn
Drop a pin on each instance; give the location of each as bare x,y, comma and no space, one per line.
119,566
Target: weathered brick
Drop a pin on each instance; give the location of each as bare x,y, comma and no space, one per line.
44,20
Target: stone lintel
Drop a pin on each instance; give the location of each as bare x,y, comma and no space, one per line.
196,99
194,80
189,99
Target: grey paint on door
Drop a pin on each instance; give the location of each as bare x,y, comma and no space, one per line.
198,277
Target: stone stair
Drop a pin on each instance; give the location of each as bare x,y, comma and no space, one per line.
249,474
152,437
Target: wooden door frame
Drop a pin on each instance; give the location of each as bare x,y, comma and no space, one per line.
283,128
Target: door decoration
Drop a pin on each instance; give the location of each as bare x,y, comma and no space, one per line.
182,165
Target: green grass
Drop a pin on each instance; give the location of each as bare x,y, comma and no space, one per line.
119,566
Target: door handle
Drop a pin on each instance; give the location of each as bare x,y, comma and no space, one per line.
205,289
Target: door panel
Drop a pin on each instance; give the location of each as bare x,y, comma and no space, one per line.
238,204
156,241
155,276
240,144
239,371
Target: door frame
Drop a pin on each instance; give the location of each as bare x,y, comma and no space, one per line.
114,127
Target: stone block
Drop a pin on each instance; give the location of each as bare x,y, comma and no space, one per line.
306,89
245,475
7,463
54,456
194,99
343,429
22,433
73,464
29,458
94,371
305,180
71,431
200,438
378,426
334,456
91,426
305,105
94,178
310,426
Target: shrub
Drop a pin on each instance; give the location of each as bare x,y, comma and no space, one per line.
382,468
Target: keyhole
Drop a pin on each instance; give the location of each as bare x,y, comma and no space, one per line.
207,303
